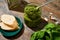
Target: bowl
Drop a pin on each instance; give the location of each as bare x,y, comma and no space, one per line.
13,33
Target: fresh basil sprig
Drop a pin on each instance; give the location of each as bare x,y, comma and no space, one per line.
50,32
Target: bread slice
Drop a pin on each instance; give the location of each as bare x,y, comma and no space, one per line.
5,27
9,20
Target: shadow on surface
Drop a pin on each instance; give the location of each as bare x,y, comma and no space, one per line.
41,26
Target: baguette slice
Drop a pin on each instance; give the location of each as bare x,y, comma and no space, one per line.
9,20
5,27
